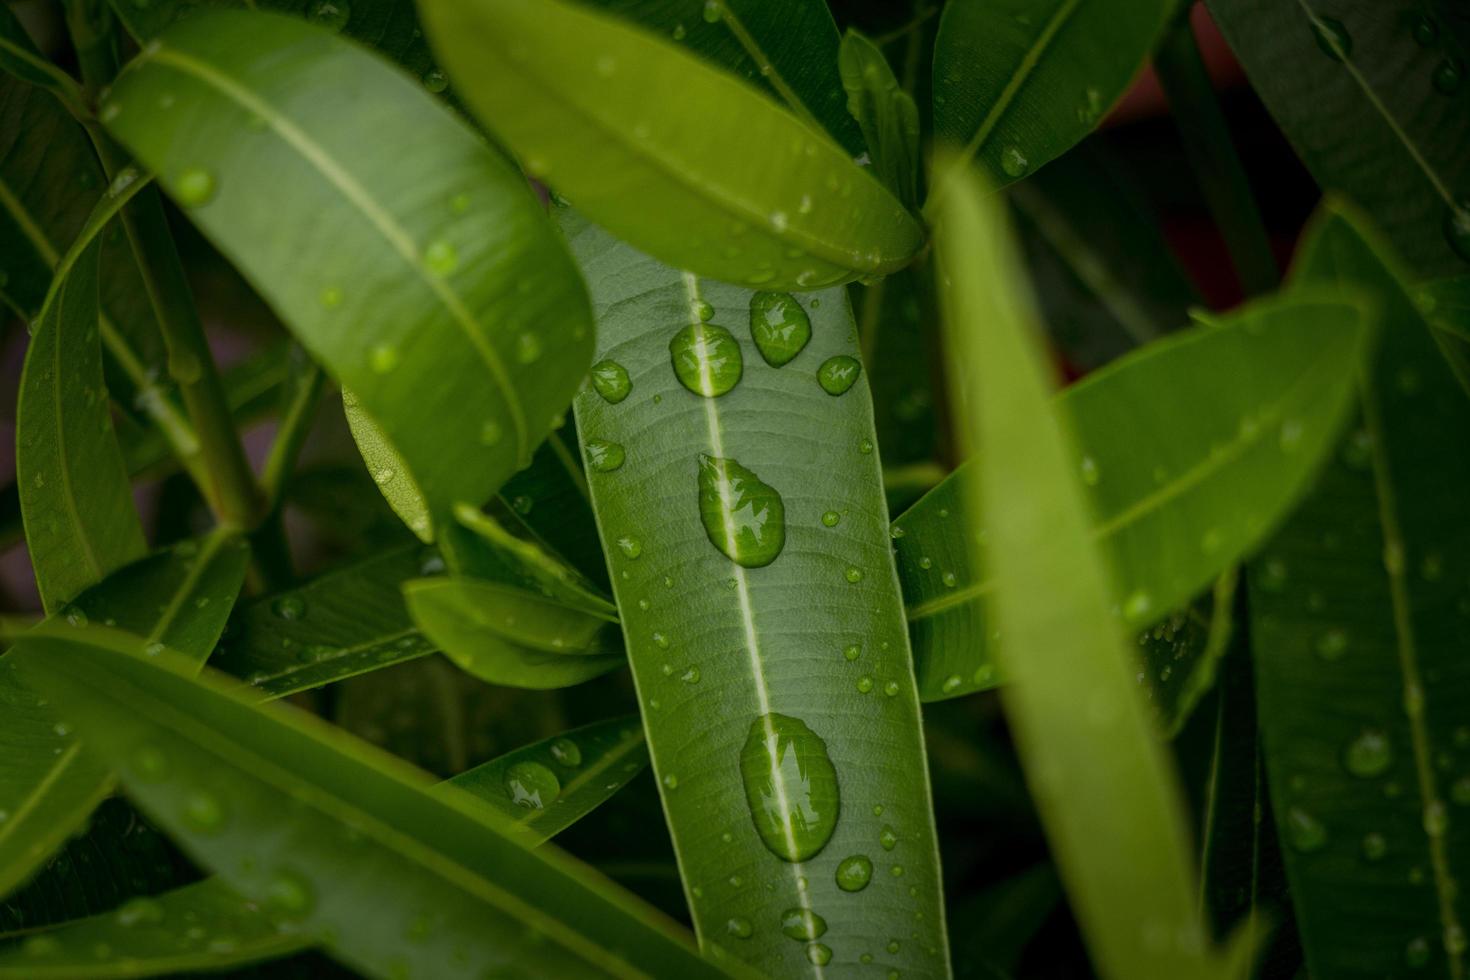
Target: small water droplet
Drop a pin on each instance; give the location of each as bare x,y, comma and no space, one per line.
531,785
1457,228
139,911
630,546
790,786
779,326
1416,952
1448,76
706,359
441,258
566,752
864,684
1426,31
739,927
203,812
383,358
888,837
1013,161
1375,846
150,764
435,80
330,297
1436,819
1304,831
1137,606
1368,755
1090,473
289,607
605,456
802,923
865,447
818,954
195,187
671,781
852,652
290,895
713,11
838,374
610,380
743,517
854,873
331,14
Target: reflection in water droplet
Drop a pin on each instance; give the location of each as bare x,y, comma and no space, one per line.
531,785
802,923
289,607
743,517
610,380
1332,37
435,80
605,456
838,374
706,359
854,873
779,326
740,927
703,310
1013,161
888,837
818,954
790,786
630,546
566,752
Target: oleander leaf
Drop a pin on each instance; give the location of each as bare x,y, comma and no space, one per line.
1358,614
1190,451
342,842
722,180
1103,784
428,283
1372,97
1016,85
207,926
49,779
1446,305
805,790
550,500
886,113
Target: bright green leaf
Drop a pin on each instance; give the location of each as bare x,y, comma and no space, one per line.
721,180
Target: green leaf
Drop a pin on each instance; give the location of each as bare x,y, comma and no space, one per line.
1372,114
738,662
1181,654
788,50
144,935
1016,87
1102,781
549,499
996,925
1446,305
887,114
50,781
74,492
721,180
344,842
1358,611
1176,495
19,57
431,285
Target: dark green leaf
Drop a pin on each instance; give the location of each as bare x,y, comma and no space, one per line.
993,928
1369,109
1358,616
1446,305
1190,450
549,499
341,841
804,655
1180,654
391,269
721,180
887,114
50,781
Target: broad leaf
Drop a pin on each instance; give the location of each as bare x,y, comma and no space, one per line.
341,841
429,284
50,781
1358,611
1102,781
887,114
1189,451
721,180
1016,85
207,926
776,688
1371,96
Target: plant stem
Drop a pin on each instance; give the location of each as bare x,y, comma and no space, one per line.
230,488
1211,154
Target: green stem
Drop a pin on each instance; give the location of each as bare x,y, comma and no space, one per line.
230,490
296,418
1211,154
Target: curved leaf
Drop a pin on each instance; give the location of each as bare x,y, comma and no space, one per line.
1358,611
1190,451
1102,781
428,283
1446,305
721,180
344,842
1372,121
1018,85
887,114
738,663
50,781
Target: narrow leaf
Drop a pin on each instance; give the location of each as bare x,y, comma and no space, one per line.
1358,612
886,113
1102,782
721,180
805,796
342,841
1189,452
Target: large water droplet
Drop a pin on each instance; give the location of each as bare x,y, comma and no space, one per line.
706,359
605,456
195,187
790,786
610,380
1332,37
744,518
531,785
802,923
838,374
1368,755
779,326
854,873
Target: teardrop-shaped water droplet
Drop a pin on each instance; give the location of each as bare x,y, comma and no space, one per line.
838,374
743,517
779,326
790,786
854,873
802,923
531,785
610,380
605,456
706,359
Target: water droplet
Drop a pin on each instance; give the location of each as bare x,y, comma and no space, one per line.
802,923
713,11
790,786
893,946
838,374
1426,31
290,895
566,752
490,432
949,579
892,688
852,652
706,359
1137,606
1304,831
289,607
610,380
888,837
331,14
203,812
1448,75
1013,161
818,954
139,911
1436,819
150,764
864,684
435,80
671,781
1090,474
1375,846
739,927
604,456
1290,435
1416,952
854,873
865,447
440,258
1454,939
690,676
528,348
1457,228
779,326
743,517
1368,755
383,358
531,785
1332,644
330,297
951,684
1332,37
1273,575
195,187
